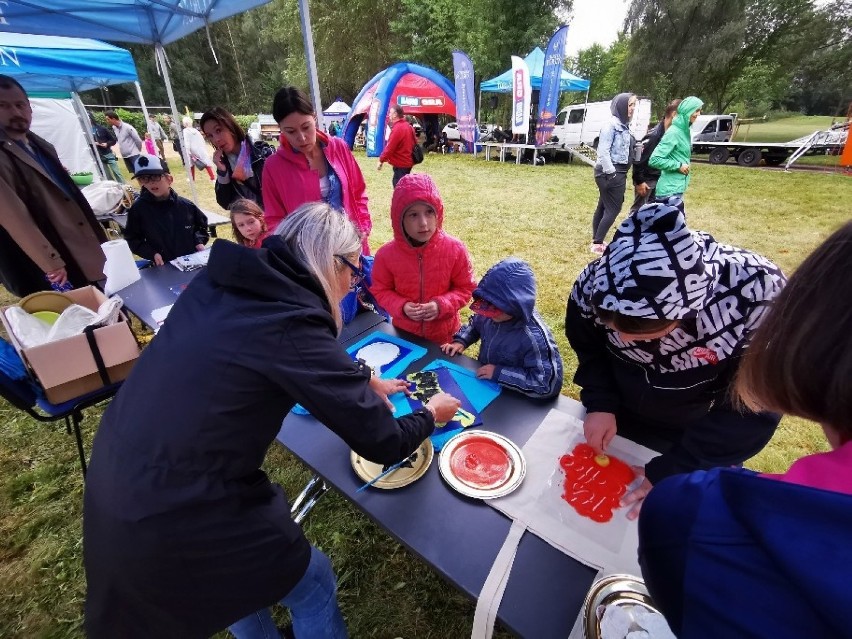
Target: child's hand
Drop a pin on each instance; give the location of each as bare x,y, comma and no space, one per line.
599,429
485,372
200,247
158,259
412,311
452,348
219,161
429,311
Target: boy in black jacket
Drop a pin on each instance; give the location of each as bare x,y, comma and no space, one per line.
644,176
161,225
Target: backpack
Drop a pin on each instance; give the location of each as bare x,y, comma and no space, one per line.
417,150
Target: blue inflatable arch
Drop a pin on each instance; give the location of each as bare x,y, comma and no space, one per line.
418,89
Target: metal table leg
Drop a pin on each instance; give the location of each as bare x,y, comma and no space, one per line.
308,498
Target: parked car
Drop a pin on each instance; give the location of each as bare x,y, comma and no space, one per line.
452,131
713,128
582,123
254,132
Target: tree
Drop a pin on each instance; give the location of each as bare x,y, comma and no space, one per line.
603,67
682,47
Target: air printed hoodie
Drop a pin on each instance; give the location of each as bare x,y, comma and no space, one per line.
675,149
522,349
438,271
656,268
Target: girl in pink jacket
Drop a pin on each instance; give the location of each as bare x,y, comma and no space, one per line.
310,166
423,276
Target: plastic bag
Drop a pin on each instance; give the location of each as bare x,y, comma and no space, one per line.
242,170
31,331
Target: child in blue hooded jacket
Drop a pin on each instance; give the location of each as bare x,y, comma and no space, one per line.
518,350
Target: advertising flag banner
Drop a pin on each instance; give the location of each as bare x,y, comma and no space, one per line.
521,96
548,101
465,110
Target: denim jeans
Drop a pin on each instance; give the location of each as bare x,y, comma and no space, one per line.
312,603
111,168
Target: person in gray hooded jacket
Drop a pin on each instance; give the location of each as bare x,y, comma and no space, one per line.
615,146
660,323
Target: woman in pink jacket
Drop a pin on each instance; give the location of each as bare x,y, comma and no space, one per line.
423,276
310,166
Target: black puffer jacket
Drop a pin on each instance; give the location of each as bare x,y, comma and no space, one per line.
171,227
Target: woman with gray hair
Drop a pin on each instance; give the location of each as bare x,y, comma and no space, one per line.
184,534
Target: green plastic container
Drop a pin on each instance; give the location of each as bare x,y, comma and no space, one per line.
83,179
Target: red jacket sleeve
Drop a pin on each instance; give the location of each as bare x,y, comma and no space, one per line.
462,282
383,284
273,201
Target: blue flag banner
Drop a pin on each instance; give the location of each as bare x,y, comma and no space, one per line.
465,110
548,101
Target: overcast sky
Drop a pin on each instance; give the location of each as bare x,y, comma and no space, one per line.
595,21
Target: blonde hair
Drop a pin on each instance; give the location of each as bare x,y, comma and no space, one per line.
315,233
187,121
244,206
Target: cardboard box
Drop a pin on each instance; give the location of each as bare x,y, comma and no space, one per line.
66,368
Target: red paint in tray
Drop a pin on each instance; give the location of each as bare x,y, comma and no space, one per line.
594,484
481,463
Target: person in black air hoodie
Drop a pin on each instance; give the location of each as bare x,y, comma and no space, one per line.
644,176
161,225
659,324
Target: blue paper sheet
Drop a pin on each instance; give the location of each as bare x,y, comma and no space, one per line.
408,353
474,394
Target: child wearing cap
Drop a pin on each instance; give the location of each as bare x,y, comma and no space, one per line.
660,323
518,350
161,225
422,277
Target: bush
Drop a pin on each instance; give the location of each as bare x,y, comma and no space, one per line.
245,120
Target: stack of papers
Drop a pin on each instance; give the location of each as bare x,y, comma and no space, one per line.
192,261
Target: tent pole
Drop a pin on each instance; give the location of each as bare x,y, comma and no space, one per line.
585,110
313,81
87,127
161,56
144,106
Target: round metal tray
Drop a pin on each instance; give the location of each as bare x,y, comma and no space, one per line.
402,476
513,478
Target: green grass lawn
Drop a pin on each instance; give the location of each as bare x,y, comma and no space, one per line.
541,214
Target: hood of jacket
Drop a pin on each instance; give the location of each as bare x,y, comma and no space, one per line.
271,273
655,267
685,109
415,187
618,106
510,286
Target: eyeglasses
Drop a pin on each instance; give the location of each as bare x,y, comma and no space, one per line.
145,179
357,274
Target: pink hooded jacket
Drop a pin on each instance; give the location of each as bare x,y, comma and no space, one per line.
439,271
288,183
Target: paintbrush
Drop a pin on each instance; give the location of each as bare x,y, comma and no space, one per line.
388,471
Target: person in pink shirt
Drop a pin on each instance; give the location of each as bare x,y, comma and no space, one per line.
733,553
310,166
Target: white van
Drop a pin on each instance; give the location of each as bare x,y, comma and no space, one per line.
583,122
713,128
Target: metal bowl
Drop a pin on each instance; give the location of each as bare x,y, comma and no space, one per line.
613,590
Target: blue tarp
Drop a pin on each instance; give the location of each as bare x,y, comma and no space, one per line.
45,64
142,21
535,61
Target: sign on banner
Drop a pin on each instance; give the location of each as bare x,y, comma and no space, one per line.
521,96
465,113
550,80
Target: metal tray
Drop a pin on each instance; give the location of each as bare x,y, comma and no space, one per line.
402,476
613,590
517,466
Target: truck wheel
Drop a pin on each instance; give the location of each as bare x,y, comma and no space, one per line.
719,155
749,157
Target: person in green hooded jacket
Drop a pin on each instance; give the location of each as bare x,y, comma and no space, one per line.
674,152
